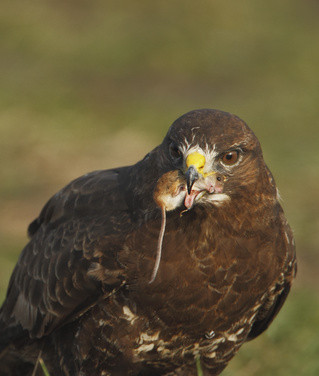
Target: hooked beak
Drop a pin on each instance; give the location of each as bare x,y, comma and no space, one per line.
191,177
200,181
195,163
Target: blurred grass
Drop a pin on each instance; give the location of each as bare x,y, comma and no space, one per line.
90,85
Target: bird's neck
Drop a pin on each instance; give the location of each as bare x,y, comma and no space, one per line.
139,184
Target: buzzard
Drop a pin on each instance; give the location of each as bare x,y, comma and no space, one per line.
158,268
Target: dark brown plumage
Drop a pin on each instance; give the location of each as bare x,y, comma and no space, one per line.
81,295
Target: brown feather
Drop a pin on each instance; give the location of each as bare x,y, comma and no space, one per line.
81,290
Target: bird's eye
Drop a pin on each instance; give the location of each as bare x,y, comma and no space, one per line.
174,151
230,157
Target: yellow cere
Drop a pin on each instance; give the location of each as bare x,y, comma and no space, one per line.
198,161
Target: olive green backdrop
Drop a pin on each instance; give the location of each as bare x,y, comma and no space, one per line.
87,85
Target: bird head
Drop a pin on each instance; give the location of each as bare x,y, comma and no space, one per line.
218,156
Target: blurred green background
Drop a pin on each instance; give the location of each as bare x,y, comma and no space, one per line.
92,85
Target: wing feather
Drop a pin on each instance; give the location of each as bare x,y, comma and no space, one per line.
52,280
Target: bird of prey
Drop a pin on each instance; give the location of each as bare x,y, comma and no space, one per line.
106,288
